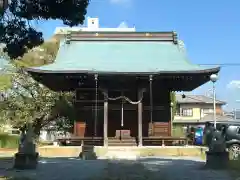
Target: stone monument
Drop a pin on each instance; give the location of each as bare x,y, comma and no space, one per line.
26,157
217,155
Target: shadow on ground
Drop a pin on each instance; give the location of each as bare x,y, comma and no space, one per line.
158,168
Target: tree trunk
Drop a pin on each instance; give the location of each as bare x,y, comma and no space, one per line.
37,126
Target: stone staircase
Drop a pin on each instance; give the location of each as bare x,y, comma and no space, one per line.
122,142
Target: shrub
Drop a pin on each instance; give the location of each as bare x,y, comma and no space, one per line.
8,141
45,143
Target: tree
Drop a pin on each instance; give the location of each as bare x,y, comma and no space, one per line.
41,55
16,31
173,100
27,101
31,102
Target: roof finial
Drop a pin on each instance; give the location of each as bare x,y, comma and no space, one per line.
181,45
68,37
175,38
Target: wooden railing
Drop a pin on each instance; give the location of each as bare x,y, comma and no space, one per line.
147,141
165,141
79,141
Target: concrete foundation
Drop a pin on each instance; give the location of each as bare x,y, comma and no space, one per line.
101,151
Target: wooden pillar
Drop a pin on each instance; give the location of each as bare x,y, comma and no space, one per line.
140,118
105,122
171,123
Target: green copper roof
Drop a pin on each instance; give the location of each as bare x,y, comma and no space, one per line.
121,57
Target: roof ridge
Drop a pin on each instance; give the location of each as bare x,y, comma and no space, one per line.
127,36
197,96
212,98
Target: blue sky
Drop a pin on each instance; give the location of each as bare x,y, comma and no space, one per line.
209,29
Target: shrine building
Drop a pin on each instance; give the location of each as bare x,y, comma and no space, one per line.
122,82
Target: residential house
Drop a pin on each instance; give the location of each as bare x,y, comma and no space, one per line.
195,110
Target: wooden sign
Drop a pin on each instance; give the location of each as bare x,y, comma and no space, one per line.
124,133
161,129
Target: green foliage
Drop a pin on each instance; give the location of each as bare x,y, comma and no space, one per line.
42,55
31,102
5,82
178,131
173,100
45,143
16,30
8,141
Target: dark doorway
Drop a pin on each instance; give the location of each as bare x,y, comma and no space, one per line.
129,124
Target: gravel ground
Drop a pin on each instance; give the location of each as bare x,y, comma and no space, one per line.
159,168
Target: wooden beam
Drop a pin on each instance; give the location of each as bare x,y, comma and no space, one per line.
105,123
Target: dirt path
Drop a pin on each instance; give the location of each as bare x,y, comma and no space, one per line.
158,168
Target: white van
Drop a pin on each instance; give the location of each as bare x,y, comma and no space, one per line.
13,131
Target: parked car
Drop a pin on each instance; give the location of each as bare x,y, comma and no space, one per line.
13,131
231,132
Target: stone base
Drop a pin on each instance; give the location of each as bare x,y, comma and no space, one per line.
217,160
26,161
88,155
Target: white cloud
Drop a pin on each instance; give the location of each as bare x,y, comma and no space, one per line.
234,84
120,1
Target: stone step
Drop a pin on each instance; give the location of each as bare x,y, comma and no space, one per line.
122,140
130,139
122,144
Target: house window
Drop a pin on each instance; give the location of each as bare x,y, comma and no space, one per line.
207,111
187,112
238,130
